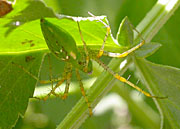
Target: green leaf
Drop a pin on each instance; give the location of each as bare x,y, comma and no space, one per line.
125,33
147,50
163,81
16,86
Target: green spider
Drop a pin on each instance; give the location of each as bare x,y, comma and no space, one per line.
64,49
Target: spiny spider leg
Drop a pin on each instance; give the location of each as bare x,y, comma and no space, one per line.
59,80
122,79
85,48
25,70
33,76
83,92
101,51
66,76
124,54
52,90
116,55
86,66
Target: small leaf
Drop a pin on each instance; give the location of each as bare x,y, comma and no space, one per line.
125,33
163,81
147,49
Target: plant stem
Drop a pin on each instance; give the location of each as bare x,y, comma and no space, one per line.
156,18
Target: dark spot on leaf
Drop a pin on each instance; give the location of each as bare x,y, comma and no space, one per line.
32,45
28,41
29,58
23,43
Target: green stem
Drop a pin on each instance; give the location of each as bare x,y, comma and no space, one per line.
156,18
148,27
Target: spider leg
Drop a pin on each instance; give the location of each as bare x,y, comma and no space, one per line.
83,92
101,51
68,80
66,76
122,79
126,53
85,48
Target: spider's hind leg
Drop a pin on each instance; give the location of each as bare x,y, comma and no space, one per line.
83,92
122,79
